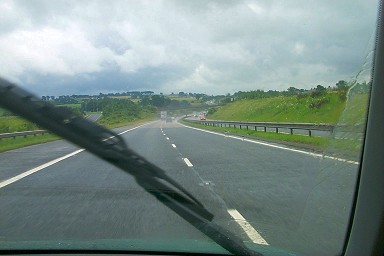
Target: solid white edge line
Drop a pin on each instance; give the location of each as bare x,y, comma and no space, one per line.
248,229
275,146
36,169
173,145
134,128
43,166
187,162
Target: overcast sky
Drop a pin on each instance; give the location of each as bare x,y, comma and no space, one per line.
213,47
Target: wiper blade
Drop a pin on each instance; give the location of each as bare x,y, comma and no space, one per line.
109,146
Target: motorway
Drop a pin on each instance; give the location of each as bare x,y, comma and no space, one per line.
266,193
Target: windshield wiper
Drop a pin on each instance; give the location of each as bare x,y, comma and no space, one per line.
109,146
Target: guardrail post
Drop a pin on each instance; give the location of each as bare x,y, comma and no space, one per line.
255,128
277,130
247,127
240,127
291,129
265,128
309,133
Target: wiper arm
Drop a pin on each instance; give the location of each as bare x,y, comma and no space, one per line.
111,147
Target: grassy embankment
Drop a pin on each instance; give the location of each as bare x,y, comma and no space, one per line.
296,109
116,120
17,124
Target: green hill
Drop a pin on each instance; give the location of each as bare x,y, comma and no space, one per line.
325,108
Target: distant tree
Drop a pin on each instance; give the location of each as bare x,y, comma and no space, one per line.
291,91
145,101
226,100
160,101
272,93
320,88
199,95
341,85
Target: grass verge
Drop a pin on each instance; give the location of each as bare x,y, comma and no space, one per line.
283,109
19,142
318,142
349,149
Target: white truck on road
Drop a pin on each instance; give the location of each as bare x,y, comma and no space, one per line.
163,115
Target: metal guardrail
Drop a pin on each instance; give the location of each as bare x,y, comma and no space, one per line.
24,133
271,125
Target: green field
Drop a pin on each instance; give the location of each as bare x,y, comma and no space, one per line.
355,110
136,100
189,99
71,106
282,109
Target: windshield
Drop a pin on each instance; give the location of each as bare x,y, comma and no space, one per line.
257,109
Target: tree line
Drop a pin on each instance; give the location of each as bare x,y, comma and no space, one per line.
341,87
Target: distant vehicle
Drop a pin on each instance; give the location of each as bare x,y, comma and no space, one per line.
202,117
168,119
163,115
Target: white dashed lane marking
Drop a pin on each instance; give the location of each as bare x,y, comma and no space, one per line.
173,145
187,162
248,229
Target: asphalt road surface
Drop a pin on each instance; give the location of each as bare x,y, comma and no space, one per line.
266,193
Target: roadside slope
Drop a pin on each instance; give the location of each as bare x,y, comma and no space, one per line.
300,108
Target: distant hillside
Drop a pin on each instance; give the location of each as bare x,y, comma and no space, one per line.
324,108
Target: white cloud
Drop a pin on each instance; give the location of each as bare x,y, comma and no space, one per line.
298,48
51,51
220,46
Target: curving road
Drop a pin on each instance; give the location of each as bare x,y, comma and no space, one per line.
266,193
